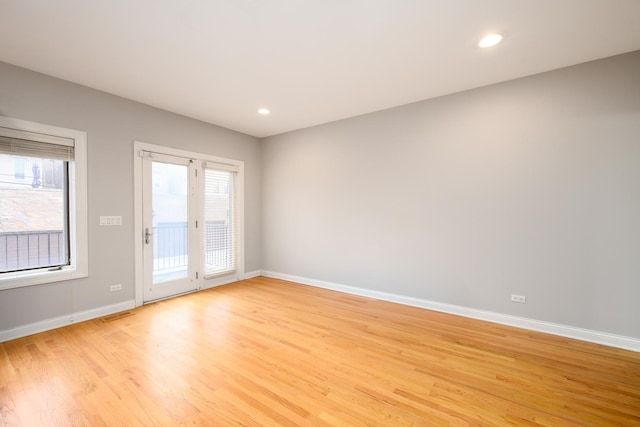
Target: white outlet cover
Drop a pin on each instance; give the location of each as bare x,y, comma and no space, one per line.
519,299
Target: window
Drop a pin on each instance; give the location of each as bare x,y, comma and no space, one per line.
220,219
43,224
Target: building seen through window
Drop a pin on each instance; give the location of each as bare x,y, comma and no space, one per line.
33,213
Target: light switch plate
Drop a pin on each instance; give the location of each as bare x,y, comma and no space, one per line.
110,220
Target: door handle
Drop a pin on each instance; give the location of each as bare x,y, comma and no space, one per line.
147,236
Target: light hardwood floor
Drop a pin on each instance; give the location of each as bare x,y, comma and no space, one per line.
265,352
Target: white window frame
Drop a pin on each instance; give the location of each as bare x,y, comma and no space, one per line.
78,223
235,170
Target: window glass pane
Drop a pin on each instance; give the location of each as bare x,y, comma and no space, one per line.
33,213
219,206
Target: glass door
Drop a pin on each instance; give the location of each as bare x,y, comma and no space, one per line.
169,222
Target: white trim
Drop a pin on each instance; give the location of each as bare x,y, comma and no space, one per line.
58,322
176,152
78,230
138,149
222,278
252,274
604,338
138,234
39,128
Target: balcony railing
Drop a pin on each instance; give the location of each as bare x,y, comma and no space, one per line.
171,243
38,249
31,249
170,246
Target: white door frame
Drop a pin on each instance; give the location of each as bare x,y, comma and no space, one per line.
138,147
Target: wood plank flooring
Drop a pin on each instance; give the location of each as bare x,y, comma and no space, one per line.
265,352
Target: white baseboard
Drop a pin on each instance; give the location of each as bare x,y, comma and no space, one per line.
588,335
58,322
252,274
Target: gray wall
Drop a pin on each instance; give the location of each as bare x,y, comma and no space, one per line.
529,187
112,124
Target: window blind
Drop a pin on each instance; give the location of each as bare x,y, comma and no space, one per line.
37,149
220,219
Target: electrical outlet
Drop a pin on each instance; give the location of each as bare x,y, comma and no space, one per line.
519,298
114,288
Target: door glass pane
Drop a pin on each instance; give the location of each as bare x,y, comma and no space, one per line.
170,211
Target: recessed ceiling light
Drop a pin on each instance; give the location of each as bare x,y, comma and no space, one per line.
490,40
264,111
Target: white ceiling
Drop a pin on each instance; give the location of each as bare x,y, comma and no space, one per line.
310,62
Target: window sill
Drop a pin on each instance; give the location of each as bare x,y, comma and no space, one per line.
32,278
